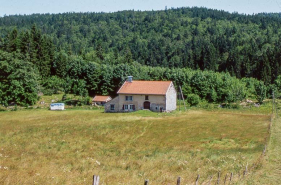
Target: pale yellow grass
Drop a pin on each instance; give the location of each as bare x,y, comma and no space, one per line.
68,147
270,170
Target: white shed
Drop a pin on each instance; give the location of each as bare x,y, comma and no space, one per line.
57,106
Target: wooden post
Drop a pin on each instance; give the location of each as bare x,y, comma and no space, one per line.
179,181
183,99
230,179
245,171
264,150
239,175
146,182
197,179
276,112
209,183
219,174
272,102
225,178
180,101
96,180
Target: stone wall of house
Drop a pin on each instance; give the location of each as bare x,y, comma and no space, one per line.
158,107
114,102
138,100
171,98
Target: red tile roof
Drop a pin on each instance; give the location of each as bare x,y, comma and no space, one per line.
145,87
101,98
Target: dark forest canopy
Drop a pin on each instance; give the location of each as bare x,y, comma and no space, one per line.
92,51
198,38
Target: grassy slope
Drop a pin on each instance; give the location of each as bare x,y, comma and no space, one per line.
68,147
270,173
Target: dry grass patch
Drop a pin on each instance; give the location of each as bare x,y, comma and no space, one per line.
68,147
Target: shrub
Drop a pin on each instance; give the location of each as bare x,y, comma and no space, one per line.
193,99
2,109
233,106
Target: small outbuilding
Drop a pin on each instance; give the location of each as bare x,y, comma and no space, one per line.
158,96
101,100
57,106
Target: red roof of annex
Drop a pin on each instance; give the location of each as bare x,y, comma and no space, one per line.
101,98
145,87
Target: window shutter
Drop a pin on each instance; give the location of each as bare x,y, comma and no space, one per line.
123,107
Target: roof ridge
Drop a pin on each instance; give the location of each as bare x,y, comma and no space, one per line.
145,87
150,81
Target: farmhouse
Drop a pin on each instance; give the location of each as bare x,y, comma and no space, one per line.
156,96
101,100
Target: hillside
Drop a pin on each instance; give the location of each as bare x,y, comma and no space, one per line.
207,52
198,38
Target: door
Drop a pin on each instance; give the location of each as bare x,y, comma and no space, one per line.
146,105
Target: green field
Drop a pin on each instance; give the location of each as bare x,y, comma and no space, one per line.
67,147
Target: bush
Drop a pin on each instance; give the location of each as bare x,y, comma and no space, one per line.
206,105
193,99
53,85
15,108
47,92
2,109
233,106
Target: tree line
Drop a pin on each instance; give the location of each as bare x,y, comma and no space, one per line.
35,59
197,38
22,76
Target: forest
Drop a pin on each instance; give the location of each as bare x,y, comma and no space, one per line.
215,55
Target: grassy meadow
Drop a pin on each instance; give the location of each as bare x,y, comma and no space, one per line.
270,170
67,147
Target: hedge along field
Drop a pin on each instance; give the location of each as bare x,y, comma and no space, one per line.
68,147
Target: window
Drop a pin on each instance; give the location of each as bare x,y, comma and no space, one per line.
129,107
132,107
129,98
125,107
112,106
146,97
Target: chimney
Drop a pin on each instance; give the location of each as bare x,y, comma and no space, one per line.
130,79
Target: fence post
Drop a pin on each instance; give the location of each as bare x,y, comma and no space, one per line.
272,103
239,175
219,174
210,180
96,180
179,181
230,176
245,172
146,182
225,178
197,179
264,150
